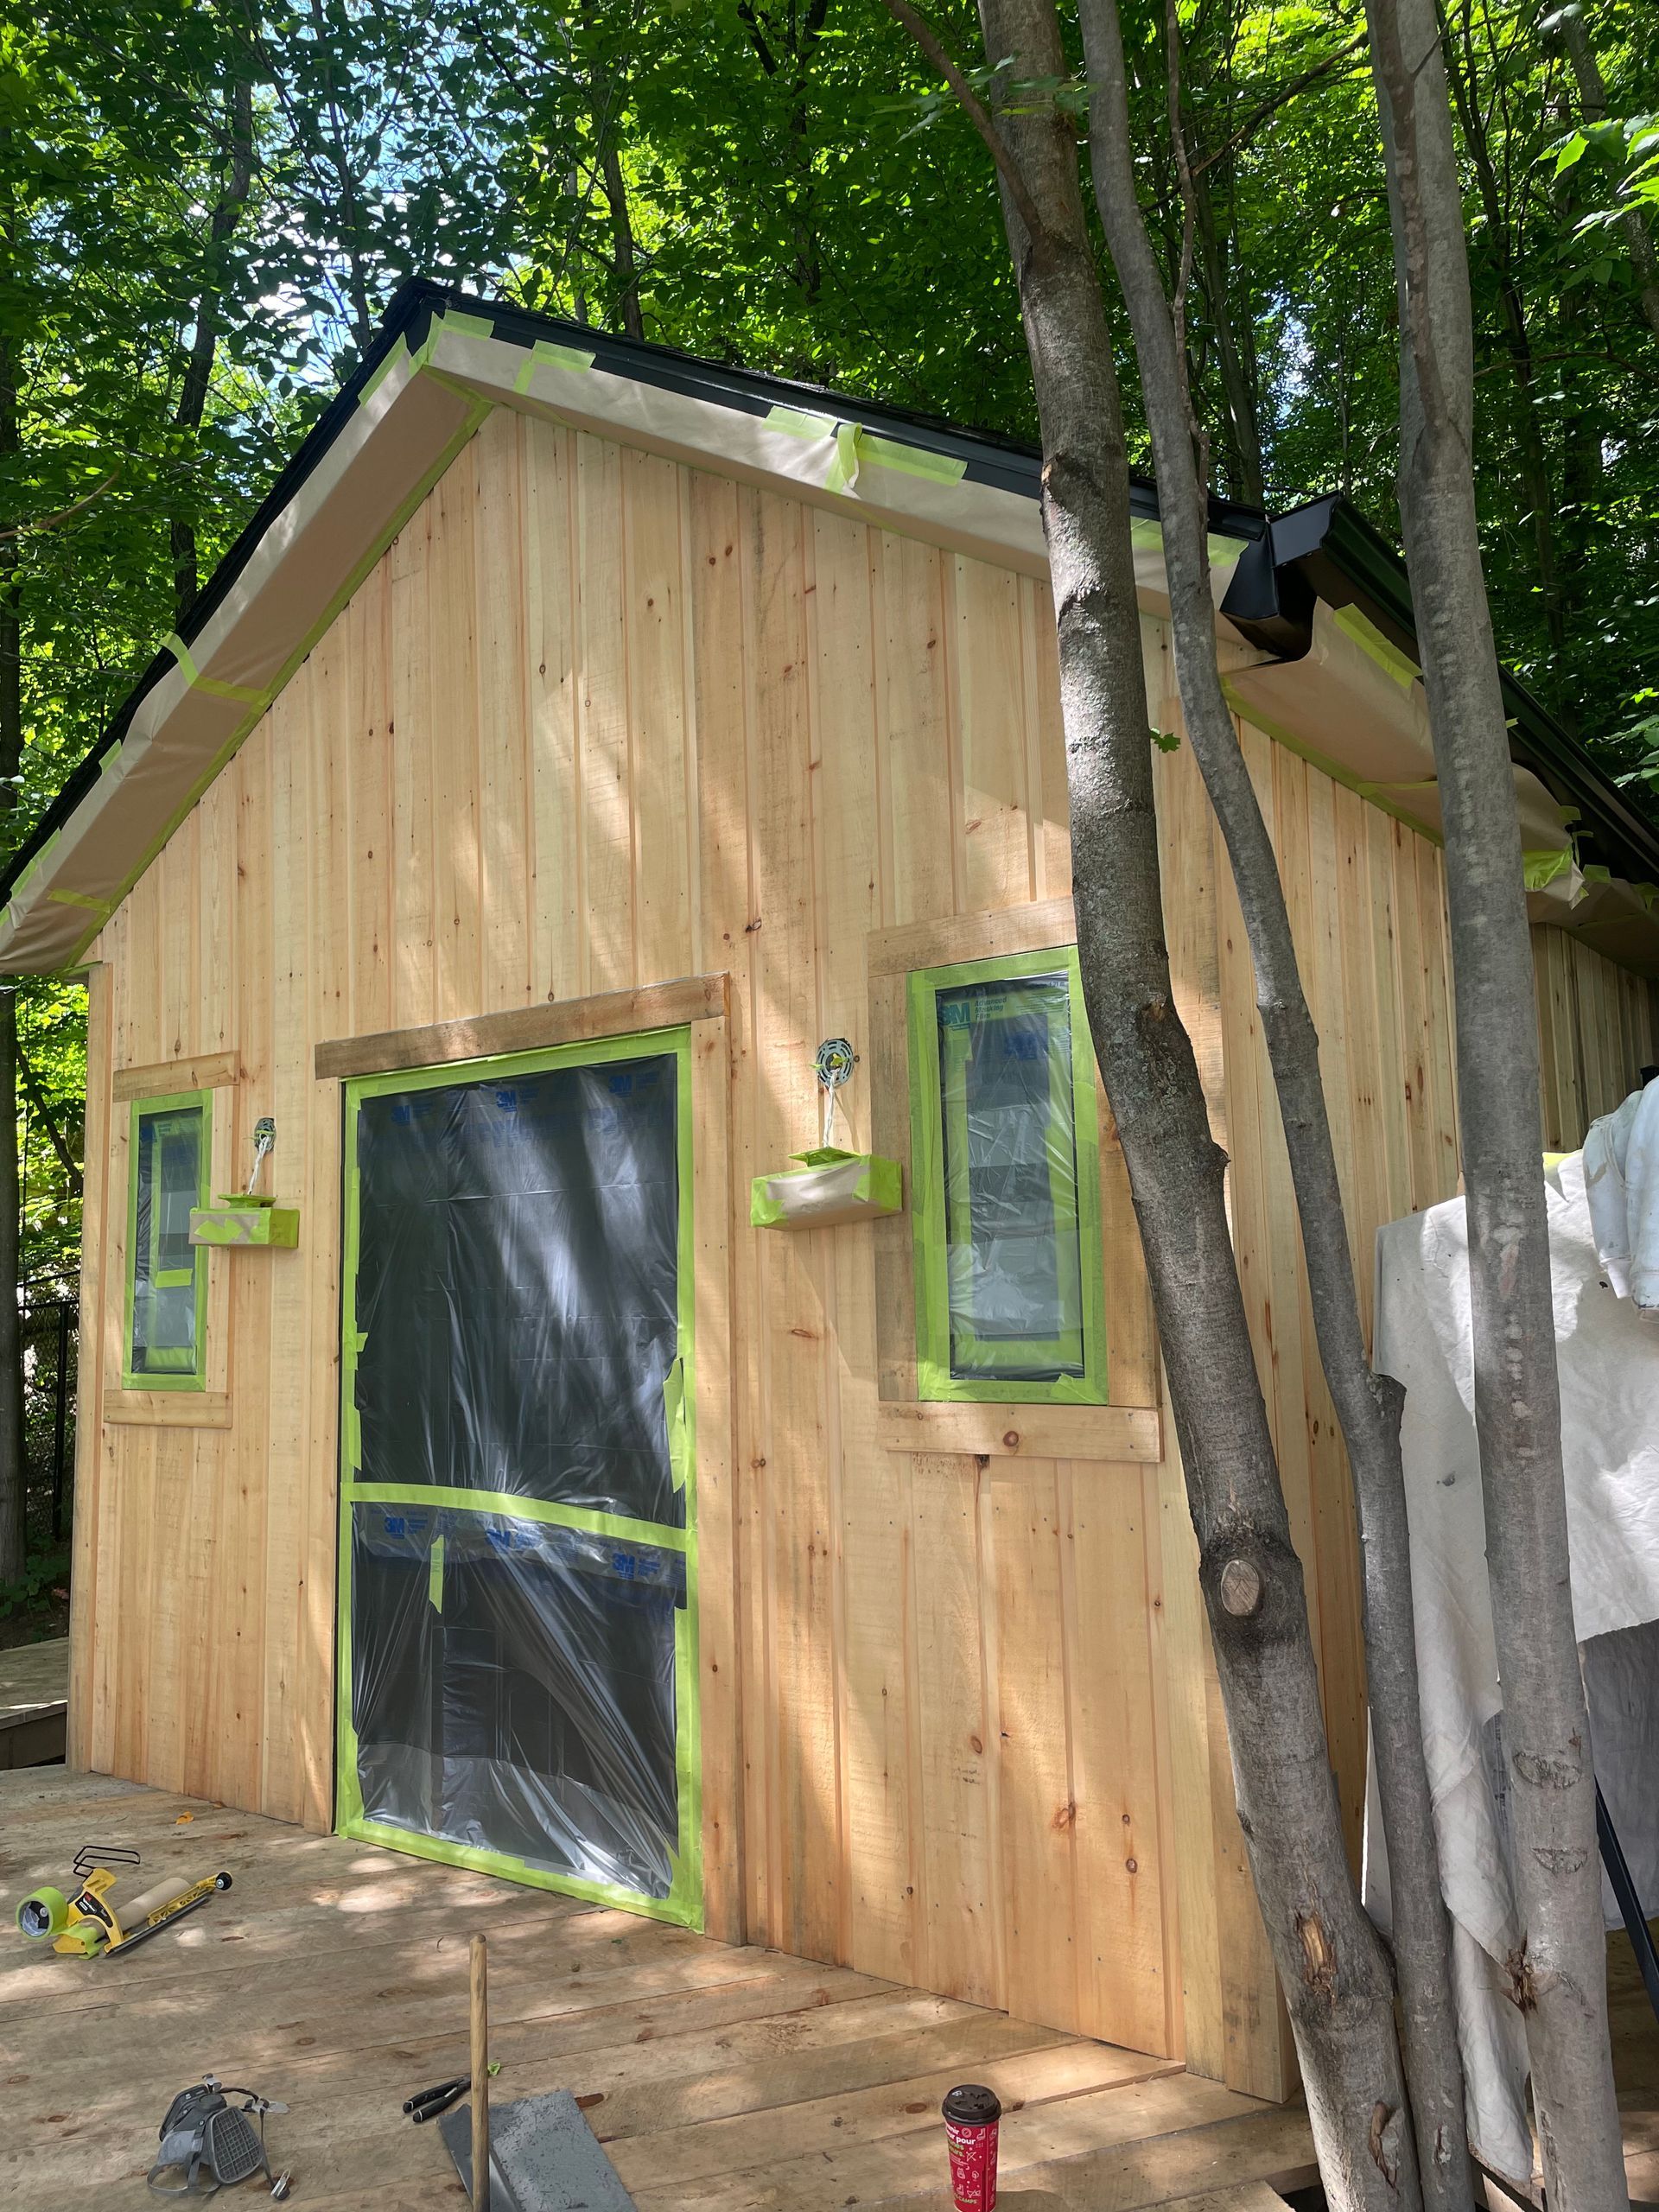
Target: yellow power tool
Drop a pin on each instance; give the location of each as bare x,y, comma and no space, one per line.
91,1920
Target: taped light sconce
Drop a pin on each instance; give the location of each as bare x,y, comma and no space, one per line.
831,1184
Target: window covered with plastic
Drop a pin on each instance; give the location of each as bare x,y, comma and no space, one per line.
1005,1182
167,1273
518,1599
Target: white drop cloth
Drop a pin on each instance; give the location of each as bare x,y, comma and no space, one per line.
1621,1180
1609,1364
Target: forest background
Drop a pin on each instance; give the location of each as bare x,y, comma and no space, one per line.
205,204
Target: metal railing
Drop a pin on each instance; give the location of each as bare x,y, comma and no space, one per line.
51,1331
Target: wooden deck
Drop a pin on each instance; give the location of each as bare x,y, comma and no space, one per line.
334,1976
34,1702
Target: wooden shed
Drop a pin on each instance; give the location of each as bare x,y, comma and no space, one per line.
579,736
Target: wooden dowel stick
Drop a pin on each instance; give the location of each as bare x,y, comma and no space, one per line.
480,2076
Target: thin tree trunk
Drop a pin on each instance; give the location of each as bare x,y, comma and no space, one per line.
1529,438
13,1500
1237,379
59,1143
351,212
1368,1406
1568,25
1557,1976
1329,1956
622,255
199,362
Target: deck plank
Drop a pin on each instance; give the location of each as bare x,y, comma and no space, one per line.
333,1975
34,1702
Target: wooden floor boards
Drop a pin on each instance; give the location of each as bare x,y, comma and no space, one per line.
334,1976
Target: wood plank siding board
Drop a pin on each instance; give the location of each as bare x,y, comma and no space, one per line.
604,744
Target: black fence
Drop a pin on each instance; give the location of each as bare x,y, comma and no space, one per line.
50,1333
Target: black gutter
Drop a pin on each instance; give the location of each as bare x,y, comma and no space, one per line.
1327,549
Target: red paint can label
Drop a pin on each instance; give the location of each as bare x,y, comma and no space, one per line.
972,2146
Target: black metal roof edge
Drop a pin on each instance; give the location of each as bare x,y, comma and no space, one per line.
1350,562
1325,543
989,459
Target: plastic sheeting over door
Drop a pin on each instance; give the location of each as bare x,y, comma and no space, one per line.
517,1628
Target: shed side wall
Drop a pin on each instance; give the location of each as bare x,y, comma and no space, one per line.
596,720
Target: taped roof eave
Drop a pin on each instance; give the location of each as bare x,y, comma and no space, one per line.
441,361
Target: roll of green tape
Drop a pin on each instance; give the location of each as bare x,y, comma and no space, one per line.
43,1913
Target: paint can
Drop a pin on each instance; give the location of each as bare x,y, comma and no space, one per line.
971,2114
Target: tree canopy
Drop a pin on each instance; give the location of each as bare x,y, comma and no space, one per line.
207,202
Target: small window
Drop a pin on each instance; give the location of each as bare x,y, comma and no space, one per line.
1006,1180
167,1276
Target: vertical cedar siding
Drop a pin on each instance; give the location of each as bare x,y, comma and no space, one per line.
595,722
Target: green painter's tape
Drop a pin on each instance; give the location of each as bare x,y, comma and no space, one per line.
674,1414
684,1905
1372,643
857,448
843,469
1541,868
507,1504
928,1207
466,326
879,1187
80,899
398,353
678,1908
242,695
435,1575
555,356
909,460
478,410
796,423
38,864
193,1378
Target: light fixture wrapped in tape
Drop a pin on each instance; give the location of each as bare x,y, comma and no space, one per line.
248,1217
830,1186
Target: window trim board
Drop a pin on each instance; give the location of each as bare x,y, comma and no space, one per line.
935,1383
146,1379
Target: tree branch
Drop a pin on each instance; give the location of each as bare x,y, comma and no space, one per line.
37,1100
63,514
976,111
1274,101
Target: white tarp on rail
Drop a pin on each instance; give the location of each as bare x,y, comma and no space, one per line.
1608,1358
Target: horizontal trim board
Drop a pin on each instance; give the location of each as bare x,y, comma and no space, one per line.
1024,1431
162,1079
168,1408
525,1029
954,938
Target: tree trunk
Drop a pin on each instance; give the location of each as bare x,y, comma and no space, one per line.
1331,1962
198,362
1235,359
1530,438
1368,1406
1558,1974
622,255
13,1500
1568,25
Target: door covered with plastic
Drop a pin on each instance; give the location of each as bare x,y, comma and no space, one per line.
517,1573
